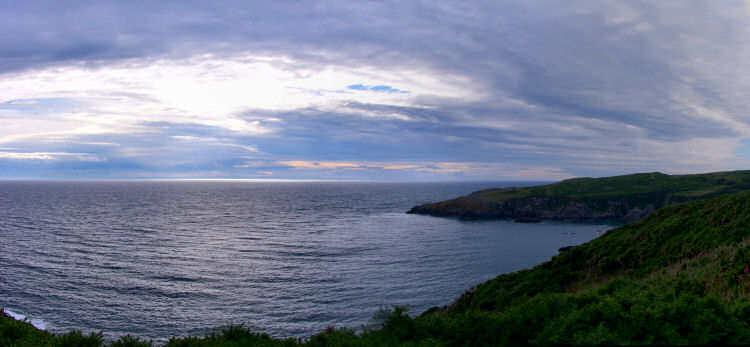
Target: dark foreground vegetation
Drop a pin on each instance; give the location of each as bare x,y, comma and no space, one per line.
679,276
628,197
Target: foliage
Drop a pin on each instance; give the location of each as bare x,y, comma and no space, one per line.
607,197
22,333
679,188
679,276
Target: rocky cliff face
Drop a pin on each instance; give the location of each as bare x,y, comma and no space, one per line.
535,208
626,197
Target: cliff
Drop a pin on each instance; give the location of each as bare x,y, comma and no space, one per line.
679,276
628,197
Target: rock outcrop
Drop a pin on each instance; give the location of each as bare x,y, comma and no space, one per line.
534,209
627,198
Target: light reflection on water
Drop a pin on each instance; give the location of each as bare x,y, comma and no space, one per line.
159,259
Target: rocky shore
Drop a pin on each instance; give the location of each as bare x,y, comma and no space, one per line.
535,209
625,198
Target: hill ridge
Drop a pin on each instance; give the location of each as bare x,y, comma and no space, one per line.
626,197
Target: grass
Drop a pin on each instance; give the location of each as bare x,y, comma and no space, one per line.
585,198
675,277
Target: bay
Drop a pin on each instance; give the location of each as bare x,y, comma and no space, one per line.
171,258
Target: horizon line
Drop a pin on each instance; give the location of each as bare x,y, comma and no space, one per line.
6,179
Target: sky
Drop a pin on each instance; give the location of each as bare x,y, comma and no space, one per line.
372,90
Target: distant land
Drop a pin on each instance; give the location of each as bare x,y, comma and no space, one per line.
680,275
628,197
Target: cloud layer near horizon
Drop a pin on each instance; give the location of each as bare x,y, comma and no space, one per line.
373,90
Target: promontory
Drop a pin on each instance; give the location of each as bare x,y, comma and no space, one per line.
628,197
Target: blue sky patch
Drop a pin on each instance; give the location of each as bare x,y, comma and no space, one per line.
49,104
378,88
744,149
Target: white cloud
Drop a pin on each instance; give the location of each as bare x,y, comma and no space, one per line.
213,142
203,90
323,165
473,170
49,156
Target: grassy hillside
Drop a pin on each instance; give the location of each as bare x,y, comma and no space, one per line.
678,276
620,197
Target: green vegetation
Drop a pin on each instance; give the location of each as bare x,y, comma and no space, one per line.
679,187
18,333
621,197
679,276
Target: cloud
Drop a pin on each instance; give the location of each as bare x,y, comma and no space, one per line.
470,170
214,142
202,90
556,88
49,156
301,164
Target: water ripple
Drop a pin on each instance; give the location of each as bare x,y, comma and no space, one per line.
160,259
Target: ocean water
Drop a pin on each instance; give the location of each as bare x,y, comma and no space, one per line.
171,258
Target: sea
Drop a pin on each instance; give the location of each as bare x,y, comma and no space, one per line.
157,259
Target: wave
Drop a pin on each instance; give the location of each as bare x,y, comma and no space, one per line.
36,322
